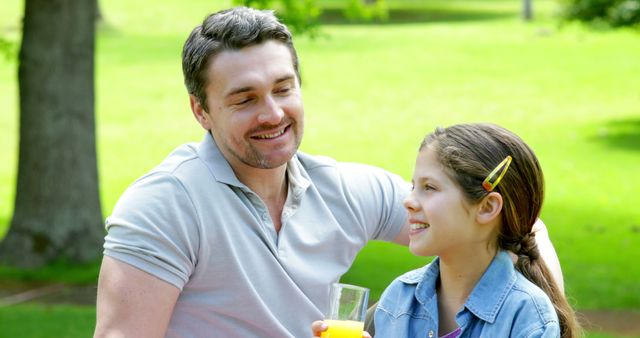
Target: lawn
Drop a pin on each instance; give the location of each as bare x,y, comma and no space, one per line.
372,92
39,321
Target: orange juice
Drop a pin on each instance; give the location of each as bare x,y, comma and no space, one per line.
343,329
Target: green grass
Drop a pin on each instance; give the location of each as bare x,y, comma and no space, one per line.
58,272
371,93
41,321
44,321
598,335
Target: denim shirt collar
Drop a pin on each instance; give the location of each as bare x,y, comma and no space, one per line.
426,279
487,296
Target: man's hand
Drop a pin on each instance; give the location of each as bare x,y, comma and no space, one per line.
320,326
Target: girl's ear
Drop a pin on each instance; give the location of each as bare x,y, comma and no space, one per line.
489,208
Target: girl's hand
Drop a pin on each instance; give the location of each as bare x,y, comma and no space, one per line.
320,326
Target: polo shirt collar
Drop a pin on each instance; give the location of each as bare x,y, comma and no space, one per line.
298,181
218,165
221,170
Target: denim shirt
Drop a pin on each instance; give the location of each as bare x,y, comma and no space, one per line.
502,304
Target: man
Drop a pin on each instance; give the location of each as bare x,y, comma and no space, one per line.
240,235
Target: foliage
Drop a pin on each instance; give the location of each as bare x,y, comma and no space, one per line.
625,13
7,48
301,16
358,10
616,13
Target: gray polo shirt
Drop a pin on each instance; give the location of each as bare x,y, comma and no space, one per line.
190,222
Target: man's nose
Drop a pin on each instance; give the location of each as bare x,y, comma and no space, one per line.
270,112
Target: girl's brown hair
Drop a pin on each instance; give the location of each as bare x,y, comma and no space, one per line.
469,152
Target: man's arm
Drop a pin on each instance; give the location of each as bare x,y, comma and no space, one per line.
131,302
548,252
403,236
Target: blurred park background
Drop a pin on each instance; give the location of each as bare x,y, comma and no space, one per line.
371,92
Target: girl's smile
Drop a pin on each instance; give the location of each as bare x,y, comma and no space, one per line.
417,227
441,221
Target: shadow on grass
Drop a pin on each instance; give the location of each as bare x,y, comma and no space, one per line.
622,134
5,222
56,272
418,15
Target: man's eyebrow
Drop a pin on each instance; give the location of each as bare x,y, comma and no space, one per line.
250,88
239,90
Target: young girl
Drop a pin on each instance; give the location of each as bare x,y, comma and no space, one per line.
477,191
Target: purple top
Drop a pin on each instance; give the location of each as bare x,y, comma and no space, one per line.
453,334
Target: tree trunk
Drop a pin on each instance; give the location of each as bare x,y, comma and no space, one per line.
57,212
527,10
98,16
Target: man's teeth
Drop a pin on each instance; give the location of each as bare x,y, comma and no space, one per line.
267,136
415,226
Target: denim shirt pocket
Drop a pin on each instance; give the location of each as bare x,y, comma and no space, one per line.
393,320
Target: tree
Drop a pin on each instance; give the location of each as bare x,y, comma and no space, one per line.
6,48
366,10
57,212
603,13
98,15
301,16
527,10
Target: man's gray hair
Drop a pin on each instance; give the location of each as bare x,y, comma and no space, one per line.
230,29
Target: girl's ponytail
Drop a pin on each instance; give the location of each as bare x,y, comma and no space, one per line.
531,265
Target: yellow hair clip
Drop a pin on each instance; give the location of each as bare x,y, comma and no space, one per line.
487,184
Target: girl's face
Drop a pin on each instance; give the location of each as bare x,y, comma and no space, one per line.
442,222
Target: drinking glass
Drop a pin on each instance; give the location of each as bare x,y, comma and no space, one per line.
347,310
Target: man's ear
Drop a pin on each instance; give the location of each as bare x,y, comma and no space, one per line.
199,112
489,208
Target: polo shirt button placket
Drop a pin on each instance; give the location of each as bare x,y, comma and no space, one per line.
430,333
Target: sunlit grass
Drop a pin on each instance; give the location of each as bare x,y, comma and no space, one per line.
371,93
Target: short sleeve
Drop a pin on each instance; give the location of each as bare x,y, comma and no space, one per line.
154,227
377,197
